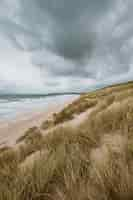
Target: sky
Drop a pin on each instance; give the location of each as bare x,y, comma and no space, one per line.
64,45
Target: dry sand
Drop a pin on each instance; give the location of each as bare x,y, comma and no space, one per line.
10,131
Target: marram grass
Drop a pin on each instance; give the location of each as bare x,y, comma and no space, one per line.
93,161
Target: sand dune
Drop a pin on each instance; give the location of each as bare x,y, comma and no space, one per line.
84,151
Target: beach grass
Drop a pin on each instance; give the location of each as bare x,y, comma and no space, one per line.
92,161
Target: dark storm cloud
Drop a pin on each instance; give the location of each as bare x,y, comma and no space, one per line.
67,41
74,44
71,10
66,29
73,23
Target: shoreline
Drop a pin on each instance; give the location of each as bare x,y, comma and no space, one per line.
11,130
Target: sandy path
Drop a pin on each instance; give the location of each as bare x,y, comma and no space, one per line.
10,131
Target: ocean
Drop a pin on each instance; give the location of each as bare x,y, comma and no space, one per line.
12,106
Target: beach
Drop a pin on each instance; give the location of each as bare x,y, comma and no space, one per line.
11,130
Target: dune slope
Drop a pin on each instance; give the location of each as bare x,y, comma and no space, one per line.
84,152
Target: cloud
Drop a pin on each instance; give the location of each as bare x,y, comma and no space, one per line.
68,25
72,45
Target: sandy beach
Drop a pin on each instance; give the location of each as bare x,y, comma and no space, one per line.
11,130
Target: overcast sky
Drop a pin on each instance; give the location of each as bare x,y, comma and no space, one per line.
64,45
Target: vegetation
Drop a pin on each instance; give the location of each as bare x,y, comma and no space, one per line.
93,161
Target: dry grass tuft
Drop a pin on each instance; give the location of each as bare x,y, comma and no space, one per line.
47,124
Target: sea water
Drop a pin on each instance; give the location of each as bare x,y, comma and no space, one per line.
12,106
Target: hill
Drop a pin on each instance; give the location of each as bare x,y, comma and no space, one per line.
84,152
